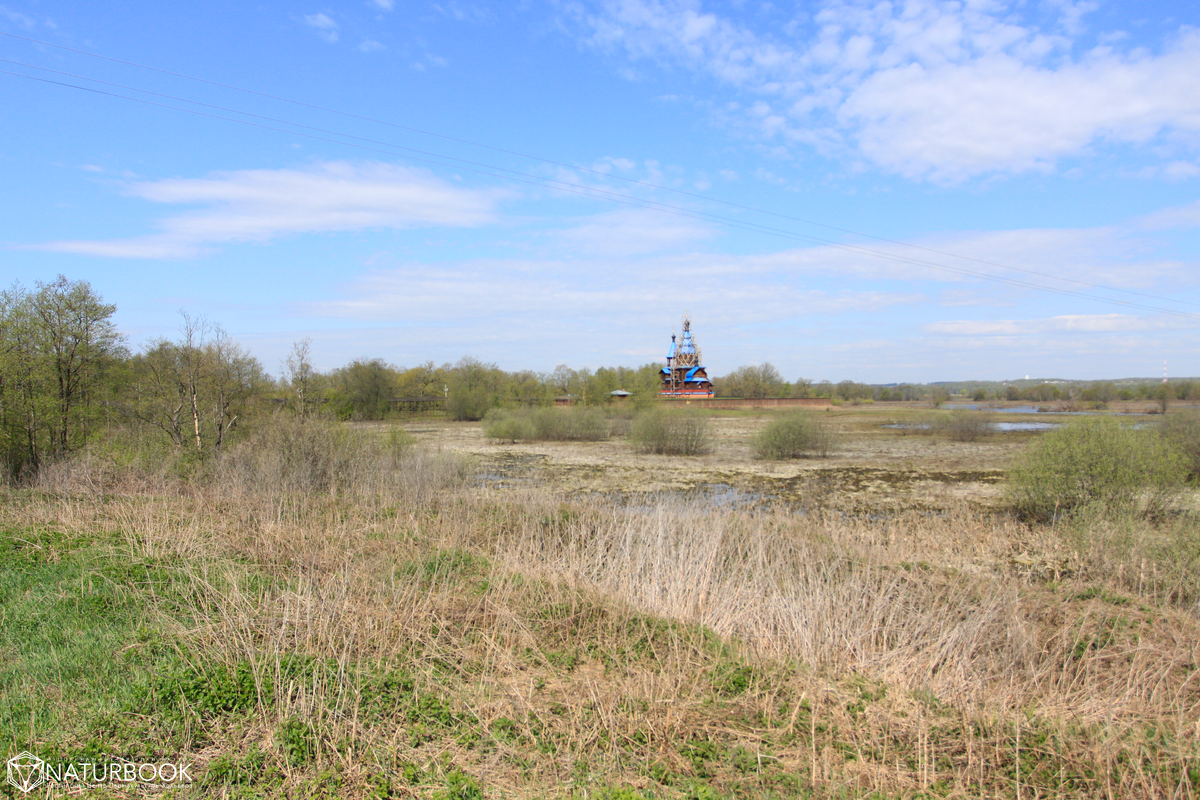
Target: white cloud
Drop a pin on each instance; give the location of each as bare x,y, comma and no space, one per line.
463,12
1187,216
1180,170
999,112
1052,258
19,19
925,88
262,205
803,309
324,25
370,46
1074,323
385,5
629,231
609,163
589,294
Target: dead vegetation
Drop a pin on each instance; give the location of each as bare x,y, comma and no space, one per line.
388,629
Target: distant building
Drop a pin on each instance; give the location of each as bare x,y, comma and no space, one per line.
684,376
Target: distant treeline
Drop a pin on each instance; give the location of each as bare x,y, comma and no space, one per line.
765,381
67,378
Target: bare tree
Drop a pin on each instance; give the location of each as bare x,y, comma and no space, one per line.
234,377
302,379
195,389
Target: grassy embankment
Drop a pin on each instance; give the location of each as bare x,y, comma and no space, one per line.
325,616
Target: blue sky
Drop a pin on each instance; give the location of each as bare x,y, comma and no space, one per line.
881,192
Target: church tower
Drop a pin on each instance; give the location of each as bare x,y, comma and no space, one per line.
684,376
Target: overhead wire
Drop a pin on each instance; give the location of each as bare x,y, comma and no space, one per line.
603,173
424,157
390,148
623,199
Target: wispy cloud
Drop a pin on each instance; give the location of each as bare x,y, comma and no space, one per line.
17,18
630,231
385,5
262,205
1073,323
1187,216
597,291
371,46
324,25
464,12
926,89
1052,258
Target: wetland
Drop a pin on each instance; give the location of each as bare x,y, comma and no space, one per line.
410,609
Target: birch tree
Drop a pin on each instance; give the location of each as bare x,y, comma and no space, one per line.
196,389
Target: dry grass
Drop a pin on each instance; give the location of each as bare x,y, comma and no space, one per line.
578,645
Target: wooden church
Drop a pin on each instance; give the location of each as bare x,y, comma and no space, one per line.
684,376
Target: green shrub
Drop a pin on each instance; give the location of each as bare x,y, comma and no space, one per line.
1099,464
678,431
1182,429
464,403
507,426
794,435
962,426
574,424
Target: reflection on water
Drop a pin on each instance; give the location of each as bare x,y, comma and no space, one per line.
705,496
996,426
1024,426
508,470
1059,412
514,470
1013,426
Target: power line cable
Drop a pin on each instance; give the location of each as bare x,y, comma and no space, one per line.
576,188
607,175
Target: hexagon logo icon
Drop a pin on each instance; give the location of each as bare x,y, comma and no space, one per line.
26,771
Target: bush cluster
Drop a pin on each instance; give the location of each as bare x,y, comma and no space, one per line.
961,426
793,435
573,424
677,432
1101,465
1182,430
294,457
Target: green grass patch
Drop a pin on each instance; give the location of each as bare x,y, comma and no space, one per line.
77,635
